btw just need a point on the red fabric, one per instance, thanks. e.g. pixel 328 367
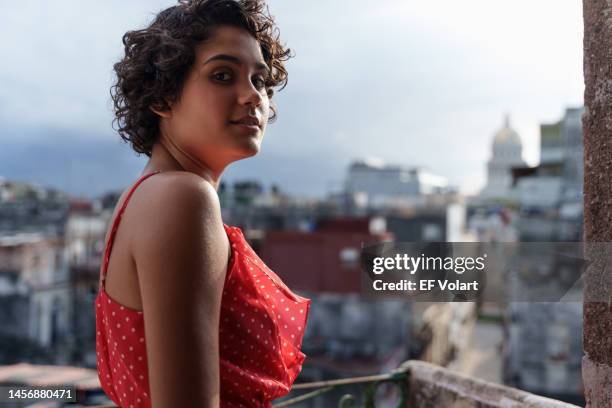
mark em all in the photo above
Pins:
pixel 260 333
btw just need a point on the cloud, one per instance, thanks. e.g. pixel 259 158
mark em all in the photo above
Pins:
pixel 422 83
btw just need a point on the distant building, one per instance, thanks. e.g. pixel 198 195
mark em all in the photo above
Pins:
pixel 84 242
pixel 551 143
pixel 84 237
pixel 556 183
pixel 540 187
pixel 329 257
pixel 507 152
pixel 543 345
pixel 573 169
pixel 245 192
pixel 50 251
pixel 27 207
pixel 543 349
pixel 444 223
pixel 35 293
pixel 375 184
pixel 493 225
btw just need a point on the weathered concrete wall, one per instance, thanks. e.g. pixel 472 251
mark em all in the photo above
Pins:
pixel 431 386
pixel 597 126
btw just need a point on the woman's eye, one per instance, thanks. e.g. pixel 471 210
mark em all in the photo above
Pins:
pixel 259 82
pixel 222 76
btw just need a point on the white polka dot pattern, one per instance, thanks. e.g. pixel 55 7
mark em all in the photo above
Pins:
pixel 261 328
pixel 122 358
pixel 262 361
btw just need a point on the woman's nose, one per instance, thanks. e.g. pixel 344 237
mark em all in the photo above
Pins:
pixel 250 95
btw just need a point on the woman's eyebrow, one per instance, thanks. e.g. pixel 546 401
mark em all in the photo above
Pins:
pixel 260 66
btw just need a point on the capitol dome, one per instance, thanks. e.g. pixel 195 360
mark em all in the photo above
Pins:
pixel 506 135
pixel 507 153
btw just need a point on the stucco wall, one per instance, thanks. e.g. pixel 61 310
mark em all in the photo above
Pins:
pixel 597 127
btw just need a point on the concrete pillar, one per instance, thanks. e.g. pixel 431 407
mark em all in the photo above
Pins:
pixel 597 126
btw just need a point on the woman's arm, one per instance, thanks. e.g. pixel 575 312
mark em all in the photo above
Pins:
pixel 181 256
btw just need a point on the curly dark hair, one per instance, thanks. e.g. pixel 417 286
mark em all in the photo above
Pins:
pixel 158 58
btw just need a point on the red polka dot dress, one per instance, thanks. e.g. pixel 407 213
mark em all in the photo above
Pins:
pixel 260 333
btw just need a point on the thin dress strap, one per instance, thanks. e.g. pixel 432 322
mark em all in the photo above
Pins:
pixel 111 238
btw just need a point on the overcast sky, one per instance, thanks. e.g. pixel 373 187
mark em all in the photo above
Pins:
pixel 411 82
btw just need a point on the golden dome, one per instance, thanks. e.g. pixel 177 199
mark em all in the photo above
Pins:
pixel 506 135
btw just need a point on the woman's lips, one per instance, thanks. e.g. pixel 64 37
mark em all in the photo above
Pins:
pixel 247 120
pixel 247 127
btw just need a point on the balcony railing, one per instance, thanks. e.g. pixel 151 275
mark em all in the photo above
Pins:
pixel 370 385
pixel 422 384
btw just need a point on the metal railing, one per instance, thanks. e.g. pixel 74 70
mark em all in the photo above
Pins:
pixel 370 385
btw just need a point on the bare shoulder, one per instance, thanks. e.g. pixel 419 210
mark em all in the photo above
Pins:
pixel 172 204
pixel 179 230
pixel 181 252
pixel 179 188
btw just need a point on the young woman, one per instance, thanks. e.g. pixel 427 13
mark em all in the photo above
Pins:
pixel 187 315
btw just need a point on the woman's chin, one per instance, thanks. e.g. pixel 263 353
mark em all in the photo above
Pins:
pixel 249 148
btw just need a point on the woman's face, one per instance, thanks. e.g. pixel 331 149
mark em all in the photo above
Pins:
pixel 222 112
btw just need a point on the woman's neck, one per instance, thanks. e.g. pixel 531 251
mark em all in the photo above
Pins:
pixel 166 156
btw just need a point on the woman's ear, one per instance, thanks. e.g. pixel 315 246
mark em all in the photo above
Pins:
pixel 162 113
